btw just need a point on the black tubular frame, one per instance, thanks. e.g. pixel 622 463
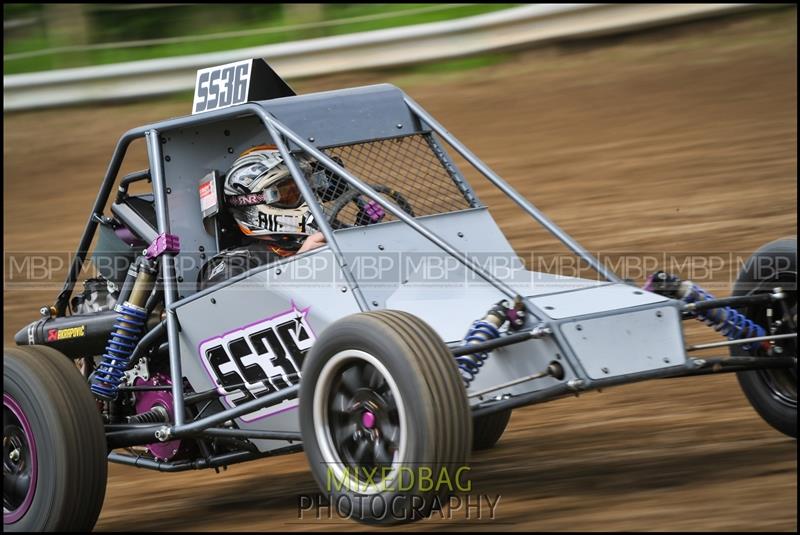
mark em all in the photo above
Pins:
pixel 211 461
pixel 124 435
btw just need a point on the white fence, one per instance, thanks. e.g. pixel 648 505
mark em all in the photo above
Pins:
pixel 501 30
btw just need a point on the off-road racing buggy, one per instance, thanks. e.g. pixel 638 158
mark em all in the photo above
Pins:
pixel 368 369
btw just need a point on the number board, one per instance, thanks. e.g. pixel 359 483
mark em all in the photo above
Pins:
pixel 258 359
pixel 236 83
pixel 222 86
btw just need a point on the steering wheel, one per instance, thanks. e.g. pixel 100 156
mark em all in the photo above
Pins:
pixel 368 211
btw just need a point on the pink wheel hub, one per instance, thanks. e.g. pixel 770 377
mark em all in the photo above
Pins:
pixel 368 419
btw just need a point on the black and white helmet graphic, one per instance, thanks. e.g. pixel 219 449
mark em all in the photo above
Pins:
pixel 263 197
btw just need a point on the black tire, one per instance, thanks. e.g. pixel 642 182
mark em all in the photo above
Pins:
pixel 422 421
pixel 487 429
pixel 772 393
pixel 69 469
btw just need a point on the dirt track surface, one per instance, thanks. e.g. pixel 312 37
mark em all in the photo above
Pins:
pixel 679 141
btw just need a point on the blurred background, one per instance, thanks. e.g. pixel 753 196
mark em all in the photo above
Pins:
pixel 640 129
pixel 52 36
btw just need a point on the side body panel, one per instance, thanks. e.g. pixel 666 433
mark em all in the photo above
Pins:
pixel 248 337
pixel 627 330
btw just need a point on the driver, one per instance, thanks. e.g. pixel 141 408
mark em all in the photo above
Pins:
pixel 268 208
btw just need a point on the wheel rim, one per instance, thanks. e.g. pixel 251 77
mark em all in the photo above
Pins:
pixel 359 422
pixel 19 462
pixel 782 383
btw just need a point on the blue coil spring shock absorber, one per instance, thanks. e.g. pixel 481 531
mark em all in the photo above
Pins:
pixel 469 365
pixel 486 329
pixel 727 321
pixel 115 362
pixel 730 323
pixel 124 336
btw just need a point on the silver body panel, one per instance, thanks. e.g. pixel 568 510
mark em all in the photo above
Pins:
pixel 601 299
pixel 392 263
pixel 240 305
pixel 626 343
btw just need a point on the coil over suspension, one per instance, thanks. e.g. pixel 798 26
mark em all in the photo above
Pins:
pixel 730 323
pixel 485 329
pixel 125 334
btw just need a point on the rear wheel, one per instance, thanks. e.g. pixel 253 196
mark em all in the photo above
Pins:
pixel 385 416
pixel 772 393
pixel 54 448
pixel 487 429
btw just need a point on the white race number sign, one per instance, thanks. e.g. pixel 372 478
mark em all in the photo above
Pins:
pixel 222 86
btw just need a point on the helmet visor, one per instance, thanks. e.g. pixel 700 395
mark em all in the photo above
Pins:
pixel 282 194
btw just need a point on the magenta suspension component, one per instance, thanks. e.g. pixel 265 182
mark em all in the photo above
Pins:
pixel 730 323
pixel 164 243
pixel 154 402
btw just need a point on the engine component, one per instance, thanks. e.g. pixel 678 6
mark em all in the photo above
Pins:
pixel 98 295
pixel 486 329
pixel 76 336
pixel 115 250
pixel 730 323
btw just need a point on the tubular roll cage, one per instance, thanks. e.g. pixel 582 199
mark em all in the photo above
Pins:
pixel 135 434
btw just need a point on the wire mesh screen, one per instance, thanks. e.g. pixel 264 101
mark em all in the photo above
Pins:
pixel 410 171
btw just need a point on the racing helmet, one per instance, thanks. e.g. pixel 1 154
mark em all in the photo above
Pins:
pixel 263 197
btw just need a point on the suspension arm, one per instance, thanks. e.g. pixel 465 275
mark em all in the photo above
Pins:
pixel 213 461
pixel 539 331
pixel 735 301
pixel 768 338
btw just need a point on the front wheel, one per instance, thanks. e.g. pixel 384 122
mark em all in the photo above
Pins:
pixel 384 417
pixel 772 393
pixel 54 448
